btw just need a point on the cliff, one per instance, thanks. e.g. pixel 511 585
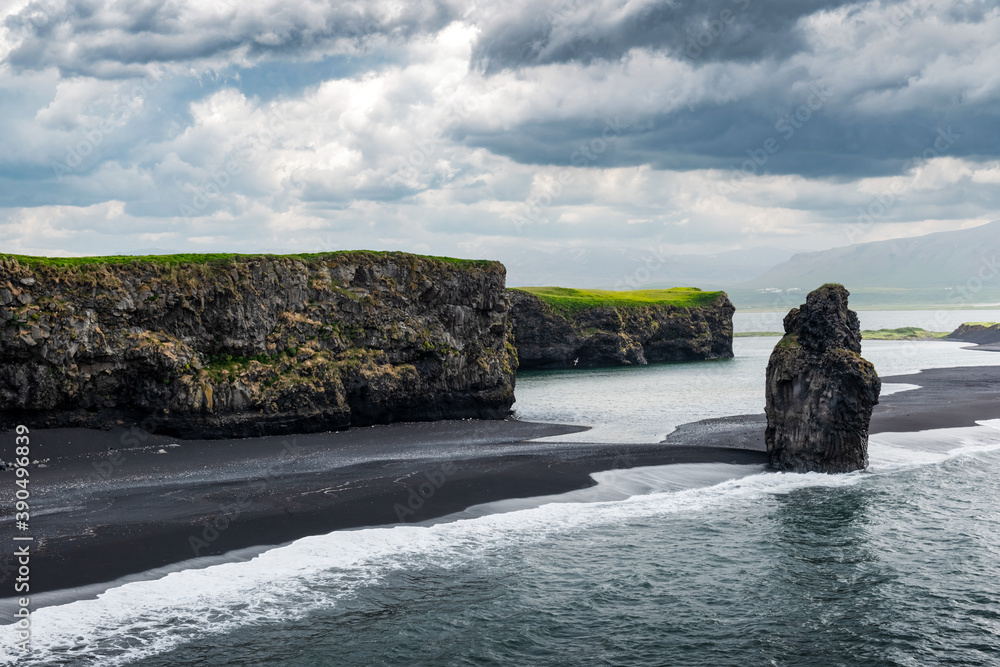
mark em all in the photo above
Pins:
pixel 227 346
pixel 981 333
pixel 820 392
pixel 564 328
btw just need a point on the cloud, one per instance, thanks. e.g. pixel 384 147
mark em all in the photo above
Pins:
pixel 531 33
pixel 122 38
pixel 515 128
pixel 890 76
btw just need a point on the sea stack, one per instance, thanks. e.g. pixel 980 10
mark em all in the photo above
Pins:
pixel 820 391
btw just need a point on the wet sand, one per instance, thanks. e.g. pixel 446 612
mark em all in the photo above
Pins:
pixel 947 398
pixel 99 514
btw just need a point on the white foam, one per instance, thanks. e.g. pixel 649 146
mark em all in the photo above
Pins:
pixel 890 452
pixel 890 388
pixel 620 484
pixel 144 618
pixel 149 617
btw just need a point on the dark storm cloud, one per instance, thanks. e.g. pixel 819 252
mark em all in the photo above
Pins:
pixel 428 124
pixel 726 137
pixel 562 31
pixel 838 139
pixel 98 38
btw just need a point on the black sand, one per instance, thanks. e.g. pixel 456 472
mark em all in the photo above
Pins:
pixel 98 514
pixel 947 398
pixel 108 504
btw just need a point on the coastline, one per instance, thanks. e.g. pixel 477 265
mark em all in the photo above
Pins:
pixel 105 510
pixel 947 398
pixel 103 514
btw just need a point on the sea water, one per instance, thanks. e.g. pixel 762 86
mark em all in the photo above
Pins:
pixel 645 403
pixel 705 564
pixel 931 320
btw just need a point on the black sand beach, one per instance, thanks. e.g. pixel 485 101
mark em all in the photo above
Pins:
pixel 100 514
pixel 947 398
pixel 108 504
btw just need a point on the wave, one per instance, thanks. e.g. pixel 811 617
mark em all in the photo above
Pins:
pixel 135 620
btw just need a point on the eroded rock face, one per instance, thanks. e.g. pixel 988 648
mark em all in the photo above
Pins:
pixel 254 345
pixel 820 391
pixel 981 334
pixel 618 336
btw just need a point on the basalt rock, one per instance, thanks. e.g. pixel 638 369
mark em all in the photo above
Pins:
pixel 981 333
pixel 253 345
pixel 820 391
pixel 619 335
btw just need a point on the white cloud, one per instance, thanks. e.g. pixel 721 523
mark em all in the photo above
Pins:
pixel 419 150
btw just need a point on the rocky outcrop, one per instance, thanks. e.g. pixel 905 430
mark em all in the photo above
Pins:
pixel 236 346
pixel 820 391
pixel 619 335
pixel 981 333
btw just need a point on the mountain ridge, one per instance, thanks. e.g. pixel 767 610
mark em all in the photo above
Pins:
pixel 957 259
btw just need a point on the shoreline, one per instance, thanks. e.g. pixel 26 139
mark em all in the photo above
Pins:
pixel 102 515
pixel 883 307
pixel 946 398
pixel 103 511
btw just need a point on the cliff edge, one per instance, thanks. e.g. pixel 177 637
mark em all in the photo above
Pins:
pixel 218 346
pixel 980 333
pixel 820 391
pixel 556 327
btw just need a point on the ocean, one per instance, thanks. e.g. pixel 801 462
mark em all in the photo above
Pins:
pixel 707 564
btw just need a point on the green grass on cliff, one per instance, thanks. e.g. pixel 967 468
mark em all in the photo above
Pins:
pixel 903 333
pixel 568 300
pixel 223 258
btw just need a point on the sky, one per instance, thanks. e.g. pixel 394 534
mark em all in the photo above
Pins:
pixel 519 130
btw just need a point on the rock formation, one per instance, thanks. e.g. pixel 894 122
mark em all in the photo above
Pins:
pixel 820 391
pixel 619 335
pixel 230 346
pixel 981 333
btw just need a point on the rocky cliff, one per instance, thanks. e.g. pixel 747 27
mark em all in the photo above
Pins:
pixel 564 328
pixel 230 346
pixel 820 391
pixel 981 333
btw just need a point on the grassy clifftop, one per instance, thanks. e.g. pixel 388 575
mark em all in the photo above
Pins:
pixel 568 300
pixel 235 345
pixel 902 333
pixel 981 333
pixel 221 258
pixel 558 327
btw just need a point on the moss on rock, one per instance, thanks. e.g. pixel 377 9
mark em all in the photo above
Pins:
pixel 233 345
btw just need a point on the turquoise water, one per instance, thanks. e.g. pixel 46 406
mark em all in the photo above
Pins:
pixel 897 567
pixel 932 320
pixel 675 565
pixel 645 403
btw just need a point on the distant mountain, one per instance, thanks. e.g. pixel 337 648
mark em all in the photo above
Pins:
pixel 939 260
pixel 945 269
